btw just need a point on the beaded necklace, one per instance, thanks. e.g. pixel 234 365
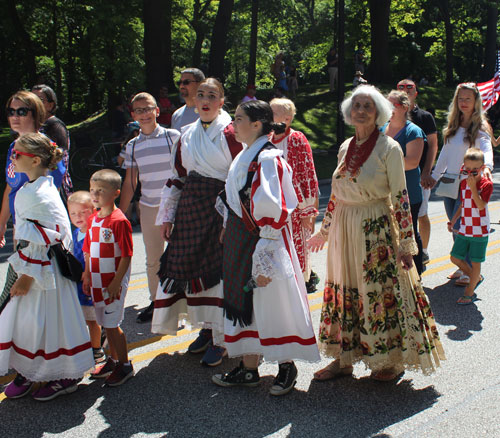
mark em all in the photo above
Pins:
pixel 357 154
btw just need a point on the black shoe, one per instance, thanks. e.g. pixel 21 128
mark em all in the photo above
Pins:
pixel 285 380
pixel 147 314
pixel 240 376
pixel 312 283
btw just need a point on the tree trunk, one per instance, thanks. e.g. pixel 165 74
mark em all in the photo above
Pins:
pixel 380 70
pixel 219 37
pixel 70 69
pixel 490 57
pixel 444 9
pixel 340 77
pixel 200 30
pixel 158 45
pixel 56 57
pixel 253 42
pixel 24 40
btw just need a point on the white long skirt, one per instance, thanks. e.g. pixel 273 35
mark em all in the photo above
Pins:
pixel 281 328
pixel 201 310
pixel 43 334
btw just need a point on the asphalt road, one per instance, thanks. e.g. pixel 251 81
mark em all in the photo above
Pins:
pixel 172 395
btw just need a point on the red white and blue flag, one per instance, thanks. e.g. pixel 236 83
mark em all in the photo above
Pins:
pixel 490 90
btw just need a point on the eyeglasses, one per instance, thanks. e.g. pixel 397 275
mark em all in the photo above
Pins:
pixel 15 154
pixel 186 82
pixel 397 104
pixel 405 86
pixel 21 112
pixel 146 110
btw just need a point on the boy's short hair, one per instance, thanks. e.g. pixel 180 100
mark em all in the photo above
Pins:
pixel 108 176
pixel 143 96
pixel 80 197
pixel 474 154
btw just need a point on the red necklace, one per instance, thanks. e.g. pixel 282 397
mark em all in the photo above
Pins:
pixel 357 154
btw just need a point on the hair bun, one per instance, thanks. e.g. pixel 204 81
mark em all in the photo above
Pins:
pixel 278 128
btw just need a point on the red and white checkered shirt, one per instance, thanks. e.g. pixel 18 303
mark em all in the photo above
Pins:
pixel 108 239
pixel 475 222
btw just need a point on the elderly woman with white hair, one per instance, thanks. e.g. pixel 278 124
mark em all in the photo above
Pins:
pixel 374 310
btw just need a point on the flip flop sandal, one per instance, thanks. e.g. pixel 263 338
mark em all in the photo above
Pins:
pixel 464 280
pixel 457 274
pixel 331 372
pixel 470 299
pixel 481 279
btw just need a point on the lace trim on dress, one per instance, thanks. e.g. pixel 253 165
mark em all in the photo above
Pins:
pixel 271 259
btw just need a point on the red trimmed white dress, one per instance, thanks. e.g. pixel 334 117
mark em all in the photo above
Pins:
pixel 43 334
pixel 281 328
pixel 298 154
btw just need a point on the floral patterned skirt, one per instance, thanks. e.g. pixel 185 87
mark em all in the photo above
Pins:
pixel 374 311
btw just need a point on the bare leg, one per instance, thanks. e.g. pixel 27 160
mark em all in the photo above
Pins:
pixel 95 334
pixel 117 344
pixel 251 361
pixel 424 228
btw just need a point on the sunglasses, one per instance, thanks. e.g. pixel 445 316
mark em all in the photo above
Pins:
pixel 21 112
pixel 474 172
pixel 16 154
pixel 186 82
pixel 405 86
pixel 146 110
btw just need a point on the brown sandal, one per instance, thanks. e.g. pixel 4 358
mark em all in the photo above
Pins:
pixel 384 375
pixel 332 371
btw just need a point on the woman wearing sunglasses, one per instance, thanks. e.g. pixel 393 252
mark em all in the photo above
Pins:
pixel 26 114
pixel 467 128
pixel 411 139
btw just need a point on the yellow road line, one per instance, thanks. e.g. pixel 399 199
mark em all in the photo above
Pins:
pixel 443 218
pixel 183 345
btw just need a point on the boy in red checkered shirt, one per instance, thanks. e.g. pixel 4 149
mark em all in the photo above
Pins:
pixel 472 236
pixel 108 252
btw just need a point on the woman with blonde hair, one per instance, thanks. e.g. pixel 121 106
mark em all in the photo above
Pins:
pixel 467 127
pixel 298 154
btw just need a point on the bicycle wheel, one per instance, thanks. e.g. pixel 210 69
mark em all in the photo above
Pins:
pixel 79 163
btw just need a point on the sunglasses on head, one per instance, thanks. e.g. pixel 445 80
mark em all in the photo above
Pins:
pixel 186 82
pixel 21 112
pixel 406 86
pixel 16 154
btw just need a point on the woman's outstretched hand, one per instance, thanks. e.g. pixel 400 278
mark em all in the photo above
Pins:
pixel 316 242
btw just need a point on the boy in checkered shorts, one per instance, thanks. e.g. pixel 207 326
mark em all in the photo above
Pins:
pixel 472 236
pixel 108 252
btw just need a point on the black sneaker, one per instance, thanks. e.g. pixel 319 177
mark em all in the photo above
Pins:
pixel 312 283
pixel 147 314
pixel 240 376
pixel 285 380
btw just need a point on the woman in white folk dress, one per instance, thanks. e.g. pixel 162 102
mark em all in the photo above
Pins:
pixel 265 300
pixel 191 266
pixel 43 335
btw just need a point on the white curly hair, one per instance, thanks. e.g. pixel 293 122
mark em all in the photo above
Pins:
pixel 383 106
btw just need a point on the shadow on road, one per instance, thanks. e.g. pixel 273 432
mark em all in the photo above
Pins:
pixel 465 319
pixel 174 397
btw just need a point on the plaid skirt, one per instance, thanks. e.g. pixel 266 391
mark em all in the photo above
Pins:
pixel 192 261
pixel 239 245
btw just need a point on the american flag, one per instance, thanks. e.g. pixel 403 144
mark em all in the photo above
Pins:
pixel 490 90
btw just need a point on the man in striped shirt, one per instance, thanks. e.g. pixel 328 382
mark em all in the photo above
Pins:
pixel 147 160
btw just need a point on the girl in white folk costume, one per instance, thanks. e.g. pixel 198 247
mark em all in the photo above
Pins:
pixel 266 307
pixel 43 335
pixel 191 267
pixel 298 154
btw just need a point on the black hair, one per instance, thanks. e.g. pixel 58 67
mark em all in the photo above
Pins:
pixel 49 94
pixel 258 110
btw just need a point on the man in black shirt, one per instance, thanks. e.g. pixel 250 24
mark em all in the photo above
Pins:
pixel 425 121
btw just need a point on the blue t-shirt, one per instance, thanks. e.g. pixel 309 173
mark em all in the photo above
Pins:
pixel 409 133
pixel 16 180
pixel 78 238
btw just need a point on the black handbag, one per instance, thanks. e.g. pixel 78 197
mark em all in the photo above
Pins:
pixel 69 265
